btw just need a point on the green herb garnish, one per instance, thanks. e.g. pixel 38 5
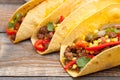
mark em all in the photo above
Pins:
pixel 82 61
pixel 50 26
pixel 10 25
pixel 113 30
pixel 17 17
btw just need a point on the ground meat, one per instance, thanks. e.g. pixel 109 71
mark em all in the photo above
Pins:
pixel 45 34
pixel 17 25
pixel 66 61
pixel 68 55
pixel 50 35
pixel 40 36
pixel 68 49
pixel 73 49
pixel 77 69
pixel 112 34
pixel 117 26
pixel 75 55
pixel 78 51
pixel 12 37
pixel 43 30
pixel 81 54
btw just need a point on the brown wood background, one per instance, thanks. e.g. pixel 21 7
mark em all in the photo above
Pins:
pixel 22 60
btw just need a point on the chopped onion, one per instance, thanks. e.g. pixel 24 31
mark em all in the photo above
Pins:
pixel 101 33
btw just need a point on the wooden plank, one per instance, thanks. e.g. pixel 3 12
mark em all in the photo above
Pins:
pixel 22 60
pixel 12 1
pixel 59 78
pixel 6 10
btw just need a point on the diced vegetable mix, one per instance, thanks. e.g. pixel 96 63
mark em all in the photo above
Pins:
pixel 84 50
pixel 14 25
pixel 16 20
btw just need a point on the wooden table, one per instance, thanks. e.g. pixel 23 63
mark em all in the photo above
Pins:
pixel 22 60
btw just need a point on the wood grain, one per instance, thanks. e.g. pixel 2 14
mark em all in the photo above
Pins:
pixel 12 1
pixel 6 10
pixel 22 60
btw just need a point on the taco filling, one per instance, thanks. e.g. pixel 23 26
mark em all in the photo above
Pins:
pixel 45 35
pixel 81 52
pixel 14 25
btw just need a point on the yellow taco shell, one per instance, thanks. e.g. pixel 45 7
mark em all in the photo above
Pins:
pixel 85 10
pixel 108 58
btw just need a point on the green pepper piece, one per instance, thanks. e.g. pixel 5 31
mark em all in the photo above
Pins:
pixel 50 26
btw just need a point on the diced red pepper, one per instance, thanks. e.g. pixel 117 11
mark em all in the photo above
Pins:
pixel 39 45
pixel 69 64
pixel 90 56
pixel 118 37
pixel 61 19
pixel 82 44
pixel 102 46
pixel 10 31
pixel 46 41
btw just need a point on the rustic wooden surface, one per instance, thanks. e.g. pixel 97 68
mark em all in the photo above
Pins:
pixel 22 60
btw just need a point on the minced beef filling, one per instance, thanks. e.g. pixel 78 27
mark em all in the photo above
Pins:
pixel 71 52
pixel 45 34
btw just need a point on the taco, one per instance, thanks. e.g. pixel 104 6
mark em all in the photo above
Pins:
pixel 94 45
pixel 27 17
pixel 49 36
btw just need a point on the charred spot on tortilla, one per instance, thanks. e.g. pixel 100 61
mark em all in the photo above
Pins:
pixel 82 51
pixel 97 62
pixel 109 55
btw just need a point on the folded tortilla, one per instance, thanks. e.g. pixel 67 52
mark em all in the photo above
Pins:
pixel 108 58
pixel 85 9
pixel 34 11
